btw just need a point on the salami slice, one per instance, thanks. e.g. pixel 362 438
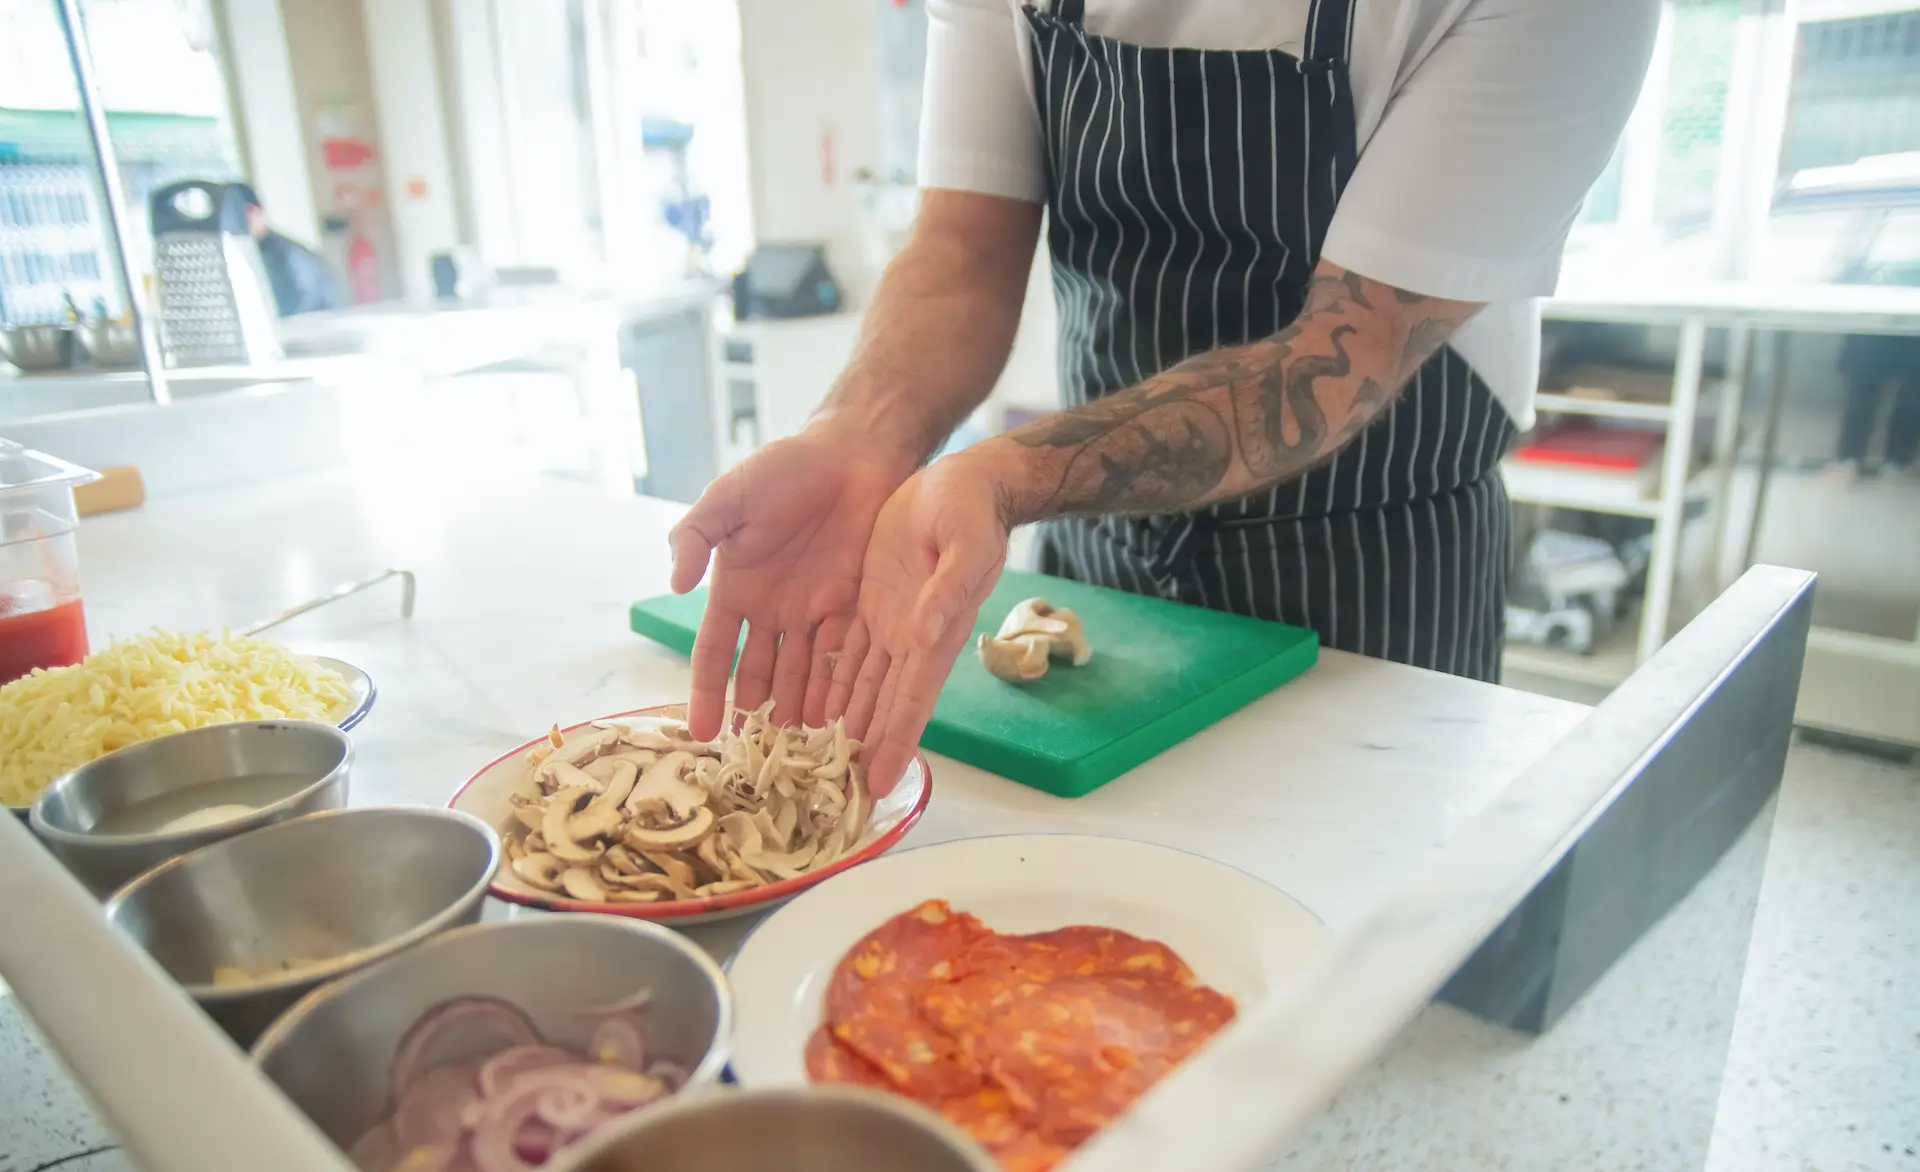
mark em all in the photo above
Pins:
pixel 828 1060
pixel 1029 1043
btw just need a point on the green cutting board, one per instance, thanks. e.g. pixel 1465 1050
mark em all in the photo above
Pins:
pixel 1160 672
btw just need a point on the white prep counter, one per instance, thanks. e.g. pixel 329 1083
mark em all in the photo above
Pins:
pixel 1341 788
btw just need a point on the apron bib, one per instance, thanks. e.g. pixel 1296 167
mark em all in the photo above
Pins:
pixel 1188 193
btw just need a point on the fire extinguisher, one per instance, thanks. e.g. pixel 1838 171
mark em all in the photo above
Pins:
pixel 363 271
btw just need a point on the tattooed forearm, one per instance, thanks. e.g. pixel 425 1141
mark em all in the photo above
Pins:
pixel 1234 421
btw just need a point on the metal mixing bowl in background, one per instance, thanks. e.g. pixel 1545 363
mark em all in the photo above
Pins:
pixel 66 812
pixel 792 1129
pixel 110 343
pixel 333 1052
pixel 44 347
pixel 345 888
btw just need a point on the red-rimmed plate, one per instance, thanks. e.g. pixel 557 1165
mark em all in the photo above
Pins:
pixel 488 795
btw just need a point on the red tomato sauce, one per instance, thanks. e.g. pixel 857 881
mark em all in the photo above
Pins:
pixel 53 637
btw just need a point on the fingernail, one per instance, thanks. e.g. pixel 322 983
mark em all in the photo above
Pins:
pixel 936 625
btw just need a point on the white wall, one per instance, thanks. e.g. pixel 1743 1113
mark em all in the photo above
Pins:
pixel 267 109
pixel 405 62
pixel 813 68
pixel 812 74
pixel 325 45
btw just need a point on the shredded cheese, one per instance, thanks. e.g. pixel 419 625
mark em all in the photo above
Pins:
pixel 52 721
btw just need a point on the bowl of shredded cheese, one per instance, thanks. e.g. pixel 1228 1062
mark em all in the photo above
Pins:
pixel 55 720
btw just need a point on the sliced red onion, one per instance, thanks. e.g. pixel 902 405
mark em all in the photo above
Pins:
pixel 476 1089
pixel 535 1142
pixel 632 1003
pixel 592 1123
pixel 500 1069
pixel 456 1028
pixel 568 1107
pixel 618 1040
pixel 435 1109
pixel 493 1146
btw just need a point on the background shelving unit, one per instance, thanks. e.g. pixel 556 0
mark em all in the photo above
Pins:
pixel 1680 482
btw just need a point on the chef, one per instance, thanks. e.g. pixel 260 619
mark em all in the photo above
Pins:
pixel 1295 248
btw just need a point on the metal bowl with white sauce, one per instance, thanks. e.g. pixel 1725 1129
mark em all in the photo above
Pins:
pixel 251 924
pixel 121 814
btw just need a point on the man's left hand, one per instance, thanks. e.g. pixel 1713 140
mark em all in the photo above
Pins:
pixel 937 549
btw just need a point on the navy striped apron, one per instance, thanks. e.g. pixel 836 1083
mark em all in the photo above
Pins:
pixel 1188 192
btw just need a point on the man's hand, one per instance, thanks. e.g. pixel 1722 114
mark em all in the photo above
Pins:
pixel 937 550
pixel 786 531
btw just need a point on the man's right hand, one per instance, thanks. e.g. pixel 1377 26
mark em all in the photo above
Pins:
pixel 786 531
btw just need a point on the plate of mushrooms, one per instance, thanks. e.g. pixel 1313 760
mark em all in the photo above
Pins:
pixel 629 815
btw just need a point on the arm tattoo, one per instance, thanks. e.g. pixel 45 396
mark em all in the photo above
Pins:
pixel 1235 421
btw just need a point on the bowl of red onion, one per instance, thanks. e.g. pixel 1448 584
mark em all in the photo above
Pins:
pixel 491 1048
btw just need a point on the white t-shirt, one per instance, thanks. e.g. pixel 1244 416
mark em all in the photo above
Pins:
pixel 1482 123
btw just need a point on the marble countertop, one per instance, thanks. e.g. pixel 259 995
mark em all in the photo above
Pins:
pixel 1327 788
pixel 1332 788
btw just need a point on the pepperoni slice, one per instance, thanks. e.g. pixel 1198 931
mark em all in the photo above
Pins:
pixel 1029 1043
pixel 830 1061
pixel 872 1002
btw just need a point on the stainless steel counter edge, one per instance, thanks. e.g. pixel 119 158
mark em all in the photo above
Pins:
pixel 1738 663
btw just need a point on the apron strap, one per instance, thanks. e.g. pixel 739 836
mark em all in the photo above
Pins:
pixel 1069 11
pixel 1329 38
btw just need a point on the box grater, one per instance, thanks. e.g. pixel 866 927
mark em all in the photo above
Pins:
pixel 216 305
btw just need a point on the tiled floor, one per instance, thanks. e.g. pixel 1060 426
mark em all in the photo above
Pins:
pixel 1824 1069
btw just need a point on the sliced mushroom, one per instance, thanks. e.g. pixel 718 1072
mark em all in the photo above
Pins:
pixel 644 813
pixel 648 838
pixel 540 869
pixel 624 895
pixel 641 758
pixel 528 810
pixel 659 883
pixel 576 751
pixel 561 775
pixel 602 817
pixel 624 860
pixel 581 883
pixel 661 787
pixel 559 834
pixel 672 866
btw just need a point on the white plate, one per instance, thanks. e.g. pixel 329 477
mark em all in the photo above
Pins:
pixel 488 796
pixel 1239 935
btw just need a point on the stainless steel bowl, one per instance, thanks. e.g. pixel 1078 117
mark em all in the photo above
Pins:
pixel 66 812
pixel 111 343
pixel 43 347
pixel 793 1129
pixel 331 1053
pixel 345 888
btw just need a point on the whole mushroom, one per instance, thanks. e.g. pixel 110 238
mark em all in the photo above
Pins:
pixel 1034 634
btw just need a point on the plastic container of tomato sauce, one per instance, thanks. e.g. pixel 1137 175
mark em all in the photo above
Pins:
pixel 42 621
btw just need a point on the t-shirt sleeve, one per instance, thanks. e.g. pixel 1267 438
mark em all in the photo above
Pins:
pixel 1485 151
pixel 979 130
